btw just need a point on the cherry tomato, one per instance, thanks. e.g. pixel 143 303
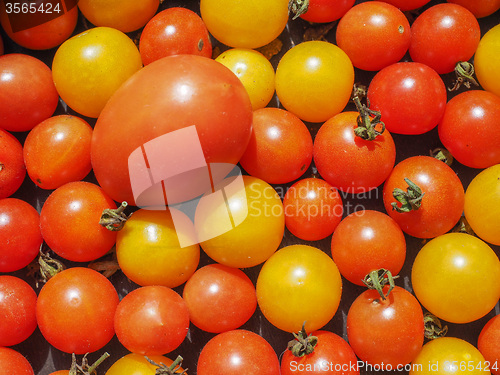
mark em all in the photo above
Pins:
pixel 349 162
pixel 480 9
pixel 322 11
pixel 407 4
pixel 313 209
pixel 20 237
pixel 444 35
pixel 149 252
pixel 487 343
pixel 280 149
pixel 303 281
pixel 236 352
pixel 135 364
pixel 75 310
pixel 245 228
pixel 437 210
pixel 388 332
pixel 219 298
pixel 487 61
pixel 366 241
pixel 69 222
pixel 13 362
pixel 151 320
pixel 365 31
pixel 255 72
pixel 245 24
pixel 89 67
pixel 27 93
pixel 482 204
pixel 12 169
pixel 314 80
pixel 174 31
pixel 57 151
pixel 411 97
pixel 455 277
pixel 17 308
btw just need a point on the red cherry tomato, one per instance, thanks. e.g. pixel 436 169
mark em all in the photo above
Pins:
pixel 20 237
pixel 323 11
pixel 487 343
pixel 407 4
pixel 13 362
pixel 479 9
pixel 12 169
pixel 174 31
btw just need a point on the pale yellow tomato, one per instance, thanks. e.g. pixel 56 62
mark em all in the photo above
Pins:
pixel 136 364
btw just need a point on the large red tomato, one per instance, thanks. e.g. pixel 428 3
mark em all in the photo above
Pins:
pixel 172 93
pixel 13 362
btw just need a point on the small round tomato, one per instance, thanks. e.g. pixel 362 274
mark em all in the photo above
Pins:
pixel 444 35
pixel 366 241
pixel 136 364
pixel 20 237
pixel 487 343
pixel 313 209
pixel 75 310
pixel 27 92
pixel 366 30
pixel 12 169
pixel 479 9
pixel 13 362
pixel 17 308
pixel 293 275
pixel 455 276
pixel 347 161
pixel 69 222
pixel 174 31
pixel 254 71
pixel 320 11
pixel 487 61
pixel 405 5
pixel 245 24
pixel 149 249
pixel 280 149
pixel 57 151
pixel 89 67
pixel 237 352
pixel 219 298
pixel 482 205
pixel 314 80
pixel 433 196
pixel 151 320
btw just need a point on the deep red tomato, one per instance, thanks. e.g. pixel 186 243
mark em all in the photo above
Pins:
pixel 151 320
pixel 389 332
pixel 57 151
pixel 479 8
pixel 407 4
pixel 13 362
pixel 238 352
pixel 174 31
pixel 468 128
pixel 442 202
pixel 20 237
pixel 75 310
pixel 27 92
pixel 12 169
pixel 17 309
pixel 348 162
pixel 411 97
pixel 69 222
pixel 280 148
pixel 322 10
pixel 366 30
pixel 487 343
pixel 444 35
pixel 313 209
pixel 366 241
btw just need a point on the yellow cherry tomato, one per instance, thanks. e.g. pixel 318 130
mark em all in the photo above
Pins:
pixel 89 67
pixel 487 61
pixel 254 71
pixel 136 364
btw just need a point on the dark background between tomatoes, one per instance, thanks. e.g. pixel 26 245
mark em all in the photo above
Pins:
pixel 46 359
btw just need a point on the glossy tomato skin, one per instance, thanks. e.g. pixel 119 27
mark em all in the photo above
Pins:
pixel 444 35
pixel 27 92
pixel 480 9
pixel 280 148
pixel 411 97
pixel 487 343
pixel 13 362
pixel 332 355
pixel 442 203
pixel 463 286
pixel 366 241
pixel 75 310
pixel 12 169
pixel 136 364
pixel 374 326
pixel 219 298
pixel 174 31
pixel 256 356
pixel 323 11
pixel 365 31
pixel 151 320
pixel 487 61
pixel 348 162
pixel 404 5
pixel 20 237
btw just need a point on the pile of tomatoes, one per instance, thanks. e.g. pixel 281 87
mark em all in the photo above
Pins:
pixel 343 158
